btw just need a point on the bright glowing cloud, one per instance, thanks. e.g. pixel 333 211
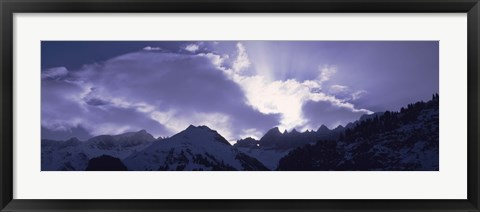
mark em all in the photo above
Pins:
pixel 242 61
pixel 158 91
pixel 216 59
pixel 192 47
pixel 289 96
pixel 241 89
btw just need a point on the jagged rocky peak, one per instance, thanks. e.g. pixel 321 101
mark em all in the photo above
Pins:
pixel 349 125
pixel 274 131
pixel 271 137
pixel 248 139
pixel 247 142
pixel 294 131
pixel 339 129
pixel 323 129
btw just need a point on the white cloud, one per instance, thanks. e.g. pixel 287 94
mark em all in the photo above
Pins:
pixel 242 61
pixel 120 83
pixel 117 96
pixel 149 48
pixel 285 97
pixel 54 72
pixel 335 89
pixel 326 72
pixel 358 94
pixel 192 47
pixel 216 59
pixel 252 132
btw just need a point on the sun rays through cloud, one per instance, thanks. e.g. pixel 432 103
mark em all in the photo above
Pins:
pixel 239 88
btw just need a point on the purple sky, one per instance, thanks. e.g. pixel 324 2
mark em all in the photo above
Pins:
pixel 239 88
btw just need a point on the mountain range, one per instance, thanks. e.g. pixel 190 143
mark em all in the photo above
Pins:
pixel 403 140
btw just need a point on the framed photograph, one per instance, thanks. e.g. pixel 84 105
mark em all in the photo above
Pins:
pixel 268 105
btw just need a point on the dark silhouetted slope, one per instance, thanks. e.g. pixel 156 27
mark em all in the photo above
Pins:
pixel 404 140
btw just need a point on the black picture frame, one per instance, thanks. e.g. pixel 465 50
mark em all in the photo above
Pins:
pixel 9 7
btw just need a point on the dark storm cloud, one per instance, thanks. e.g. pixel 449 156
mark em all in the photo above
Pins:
pixel 96 102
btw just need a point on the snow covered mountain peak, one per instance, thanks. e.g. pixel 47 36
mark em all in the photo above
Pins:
pixel 195 148
pixel 200 134
pixel 141 135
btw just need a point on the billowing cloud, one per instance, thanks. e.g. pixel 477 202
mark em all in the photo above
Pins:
pixel 192 47
pixel 158 91
pixel 67 109
pixel 288 97
pixel 164 92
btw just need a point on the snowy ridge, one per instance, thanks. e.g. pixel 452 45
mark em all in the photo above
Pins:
pixel 74 155
pixel 196 148
pixel 404 140
pixel 63 155
pixel 119 146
